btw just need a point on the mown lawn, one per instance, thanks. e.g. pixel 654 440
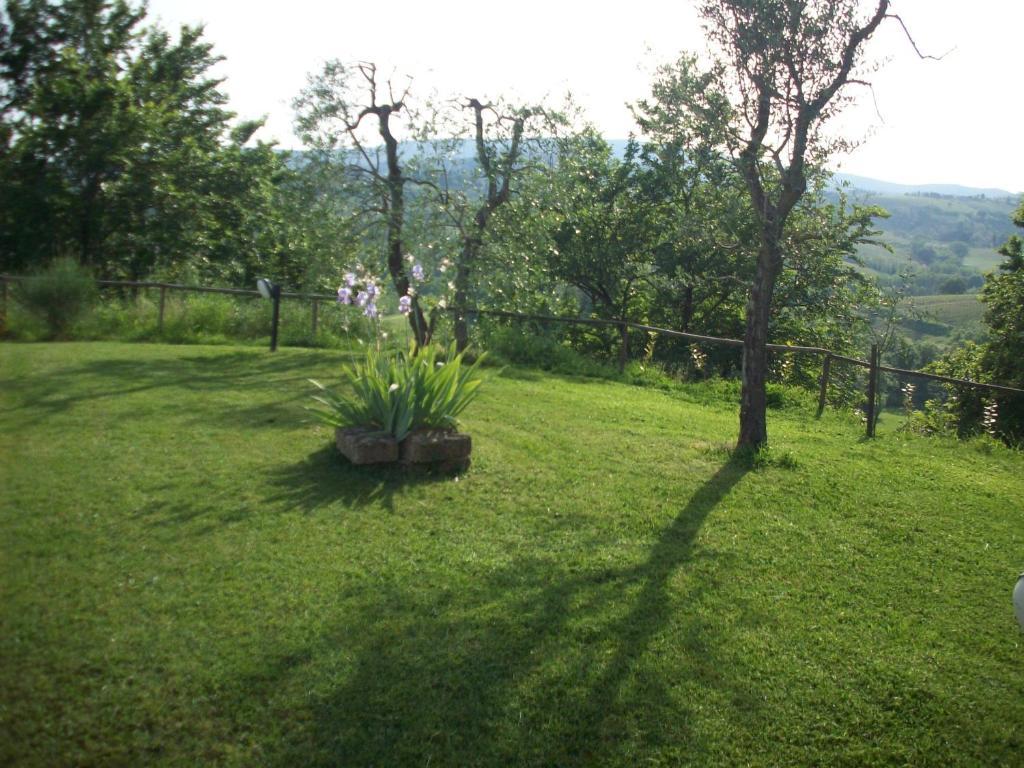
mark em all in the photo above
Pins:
pixel 189 575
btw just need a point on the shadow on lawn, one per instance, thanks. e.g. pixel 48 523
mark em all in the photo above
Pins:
pixel 325 478
pixel 535 664
pixel 239 375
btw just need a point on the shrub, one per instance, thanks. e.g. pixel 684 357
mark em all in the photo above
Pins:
pixel 543 349
pixel 649 375
pixel 398 393
pixel 59 295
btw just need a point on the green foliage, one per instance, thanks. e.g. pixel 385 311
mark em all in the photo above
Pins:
pixel 1000 359
pixel 118 149
pixel 425 387
pixel 59 295
pixel 950 239
pixel 542 348
pixel 936 418
pixel 604 245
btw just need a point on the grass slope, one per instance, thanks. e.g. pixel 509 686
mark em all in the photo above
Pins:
pixel 953 310
pixel 190 575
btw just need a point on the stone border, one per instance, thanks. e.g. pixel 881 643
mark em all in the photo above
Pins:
pixel 441 449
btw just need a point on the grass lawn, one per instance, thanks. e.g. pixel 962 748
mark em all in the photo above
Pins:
pixel 189 575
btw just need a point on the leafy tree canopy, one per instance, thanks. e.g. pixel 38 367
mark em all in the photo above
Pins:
pixel 117 149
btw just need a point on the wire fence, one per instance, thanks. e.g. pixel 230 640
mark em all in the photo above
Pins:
pixel 872 365
pixel 167 289
pixel 828 357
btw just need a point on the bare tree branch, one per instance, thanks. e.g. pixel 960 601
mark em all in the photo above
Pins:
pixel 913 43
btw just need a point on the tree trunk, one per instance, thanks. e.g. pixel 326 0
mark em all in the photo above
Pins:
pixel 470 249
pixel 87 224
pixel 687 309
pixel 421 329
pixel 623 345
pixel 753 397
pixel 417 320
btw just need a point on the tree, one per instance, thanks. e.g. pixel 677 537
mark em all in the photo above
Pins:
pixel 1003 359
pixel 70 121
pixel 702 267
pixel 343 113
pixel 782 71
pixel 998 360
pixel 605 241
pixel 117 148
pixel 500 141
pixel 953 285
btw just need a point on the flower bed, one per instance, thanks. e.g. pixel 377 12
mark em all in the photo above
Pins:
pixel 404 405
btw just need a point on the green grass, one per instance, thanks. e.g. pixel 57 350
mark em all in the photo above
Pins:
pixel 198 318
pixel 984 259
pixel 192 576
pixel 953 310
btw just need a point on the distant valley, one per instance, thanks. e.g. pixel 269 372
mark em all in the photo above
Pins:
pixel 878 186
pixel 945 234
pixel 947 241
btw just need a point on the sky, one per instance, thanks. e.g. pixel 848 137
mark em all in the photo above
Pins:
pixel 953 121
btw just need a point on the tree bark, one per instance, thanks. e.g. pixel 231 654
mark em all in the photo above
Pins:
pixel 87 224
pixel 498 192
pixel 687 309
pixel 623 345
pixel 753 396
pixel 421 329
pixel 470 249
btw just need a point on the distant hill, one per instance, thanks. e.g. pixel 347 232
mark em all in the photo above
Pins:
pixel 947 234
pixel 466 151
pixel 878 186
pixel 892 188
pixel 948 241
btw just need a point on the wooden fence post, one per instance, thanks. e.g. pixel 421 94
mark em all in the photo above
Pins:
pixel 275 294
pixel 316 311
pixel 163 302
pixel 872 389
pixel 826 372
pixel 624 348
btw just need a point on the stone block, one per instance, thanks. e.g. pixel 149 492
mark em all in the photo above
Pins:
pixel 366 445
pixel 443 449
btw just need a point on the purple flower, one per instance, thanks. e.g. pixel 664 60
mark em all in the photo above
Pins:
pixel 350 279
pixel 371 310
pixel 372 291
pixel 417 271
pixel 362 298
pixel 344 295
pixel 405 305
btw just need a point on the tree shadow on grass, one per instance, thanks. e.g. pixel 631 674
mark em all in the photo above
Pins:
pixel 533 664
pixel 190 377
pixel 321 480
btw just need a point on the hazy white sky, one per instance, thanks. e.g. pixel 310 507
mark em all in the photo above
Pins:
pixel 952 121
